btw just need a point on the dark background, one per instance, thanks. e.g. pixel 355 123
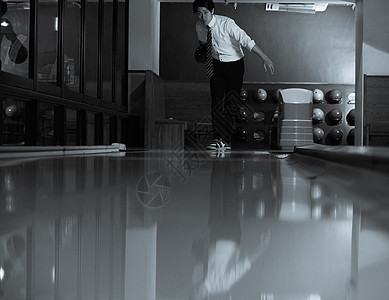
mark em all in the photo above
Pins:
pixel 304 47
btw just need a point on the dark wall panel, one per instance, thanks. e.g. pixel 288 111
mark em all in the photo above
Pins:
pixel 303 47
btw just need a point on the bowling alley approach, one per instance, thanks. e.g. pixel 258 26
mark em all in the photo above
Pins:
pixel 194 149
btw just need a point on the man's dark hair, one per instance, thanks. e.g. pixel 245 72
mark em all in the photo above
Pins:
pixel 208 4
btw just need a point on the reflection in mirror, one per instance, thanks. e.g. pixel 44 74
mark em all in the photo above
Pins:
pixel 106 130
pixel 47 41
pixel 91 47
pixel 107 50
pixel 13 122
pixel 90 128
pixel 72 37
pixel 46 125
pixel 71 131
pixel 120 54
pixel 259 116
pixel 14 39
pixel 259 135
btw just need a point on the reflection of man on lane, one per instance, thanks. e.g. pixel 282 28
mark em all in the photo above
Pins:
pixel 17 52
pixel 11 250
pixel 225 263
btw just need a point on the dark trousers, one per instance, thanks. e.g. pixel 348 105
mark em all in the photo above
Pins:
pixel 223 219
pixel 227 77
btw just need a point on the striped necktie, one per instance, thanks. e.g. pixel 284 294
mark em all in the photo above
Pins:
pixel 209 59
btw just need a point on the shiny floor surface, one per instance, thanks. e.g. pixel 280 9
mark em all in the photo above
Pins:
pixel 183 225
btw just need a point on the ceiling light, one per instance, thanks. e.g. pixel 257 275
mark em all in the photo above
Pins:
pixel 307 8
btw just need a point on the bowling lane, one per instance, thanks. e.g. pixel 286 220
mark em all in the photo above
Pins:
pixel 184 225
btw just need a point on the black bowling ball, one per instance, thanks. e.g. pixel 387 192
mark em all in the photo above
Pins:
pixel 200 55
pixel 335 136
pixel 334 116
pixel 334 96
pixel 351 117
pixel 351 137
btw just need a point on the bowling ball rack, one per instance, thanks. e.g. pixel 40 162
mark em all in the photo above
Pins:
pixel 262 134
pixel 345 105
pixel 257 126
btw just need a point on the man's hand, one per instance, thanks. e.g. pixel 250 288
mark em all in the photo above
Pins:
pixel 268 64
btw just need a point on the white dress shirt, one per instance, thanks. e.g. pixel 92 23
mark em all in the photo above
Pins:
pixel 225 267
pixel 227 38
